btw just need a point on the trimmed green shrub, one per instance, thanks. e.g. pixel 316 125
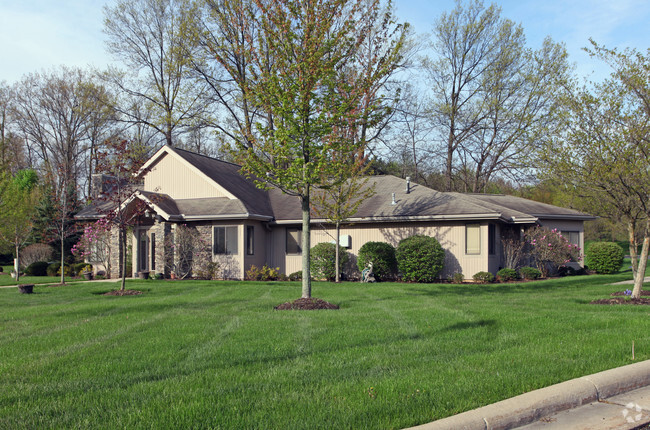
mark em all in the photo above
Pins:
pixel 419 258
pixel 323 258
pixel 37 268
pixel 2 269
pixel 604 257
pixel 483 277
pixel 296 276
pixel 529 273
pixel 506 274
pixel 382 255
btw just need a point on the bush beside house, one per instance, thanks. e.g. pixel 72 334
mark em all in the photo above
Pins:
pixel 419 258
pixel 382 256
pixel 323 260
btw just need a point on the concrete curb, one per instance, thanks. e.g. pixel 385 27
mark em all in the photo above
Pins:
pixel 528 407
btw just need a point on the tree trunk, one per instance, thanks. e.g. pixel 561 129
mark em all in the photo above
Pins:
pixel 631 227
pixel 17 263
pixel 123 245
pixel 306 268
pixel 337 259
pixel 643 262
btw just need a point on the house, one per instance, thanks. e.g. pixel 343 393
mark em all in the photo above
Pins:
pixel 246 226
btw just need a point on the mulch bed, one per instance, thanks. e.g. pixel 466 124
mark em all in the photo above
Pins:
pixel 622 293
pixel 123 293
pixel 621 299
pixel 305 305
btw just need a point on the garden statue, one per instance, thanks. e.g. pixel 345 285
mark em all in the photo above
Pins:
pixel 367 275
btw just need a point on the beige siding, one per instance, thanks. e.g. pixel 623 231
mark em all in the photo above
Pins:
pixel 174 177
pixel 451 237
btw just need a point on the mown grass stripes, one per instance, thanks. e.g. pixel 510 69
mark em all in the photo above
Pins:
pixel 216 355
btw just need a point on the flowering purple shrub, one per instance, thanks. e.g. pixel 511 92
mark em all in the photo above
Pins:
pixel 550 249
pixel 94 244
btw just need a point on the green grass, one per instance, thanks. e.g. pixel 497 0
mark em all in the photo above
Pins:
pixel 6 279
pixel 216 355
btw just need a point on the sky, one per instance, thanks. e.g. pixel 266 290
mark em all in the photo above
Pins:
pixel 37 35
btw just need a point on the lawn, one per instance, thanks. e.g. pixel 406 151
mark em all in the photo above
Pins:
pixel 6 279
pixel 200 354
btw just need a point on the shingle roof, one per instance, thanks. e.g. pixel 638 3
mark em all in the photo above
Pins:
pixel 228 175
pixel 419 203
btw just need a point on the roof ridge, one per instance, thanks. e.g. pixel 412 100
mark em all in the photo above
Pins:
pixel 204 156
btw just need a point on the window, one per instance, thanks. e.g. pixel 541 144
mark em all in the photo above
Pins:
pixel 153 251
pixel 224 240
pixel 473 239
pixel 250 240
pixel 492 232
pixel 572 236
pixel 294 241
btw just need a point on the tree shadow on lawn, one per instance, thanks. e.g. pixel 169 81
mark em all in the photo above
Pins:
pixel 470 290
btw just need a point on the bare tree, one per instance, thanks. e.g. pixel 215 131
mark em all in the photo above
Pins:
pixel 151 38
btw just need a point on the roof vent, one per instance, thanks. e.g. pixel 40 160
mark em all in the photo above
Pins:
pixel 408 184
pixel 393 202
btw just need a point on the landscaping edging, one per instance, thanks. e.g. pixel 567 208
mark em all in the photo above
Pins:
pixel 528 407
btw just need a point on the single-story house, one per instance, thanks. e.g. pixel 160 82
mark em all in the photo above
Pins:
pixel 246 226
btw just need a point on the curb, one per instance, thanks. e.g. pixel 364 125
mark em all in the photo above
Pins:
pixel 528 407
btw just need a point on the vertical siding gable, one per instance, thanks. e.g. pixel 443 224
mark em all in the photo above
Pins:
pixel 173 176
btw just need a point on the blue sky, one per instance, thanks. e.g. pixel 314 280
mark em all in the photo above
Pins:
pixel 39 34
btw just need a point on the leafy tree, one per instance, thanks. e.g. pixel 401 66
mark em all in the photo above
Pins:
pixel 18 196
pixel 312 86
pixel 604 152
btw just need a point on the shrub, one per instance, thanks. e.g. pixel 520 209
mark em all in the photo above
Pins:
pixel 208 270
pixel 506 274
pixel 264 273
pixel 419 258
pixel 550 249
pixel 2 269
pixel 323 257
pixel 54 269
pixel 604 257
pixel 483 277
pixel 382 255
pixel 456 278
pixel 35 252
pixel 570 271
pixel 296 276
pixel 529 273
pixel 37 268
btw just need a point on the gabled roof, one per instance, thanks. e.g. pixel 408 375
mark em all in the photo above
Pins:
pixel 419 203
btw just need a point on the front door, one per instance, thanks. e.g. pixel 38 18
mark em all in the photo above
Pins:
pixel 143 251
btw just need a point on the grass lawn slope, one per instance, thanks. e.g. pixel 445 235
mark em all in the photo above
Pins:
pixel 216 355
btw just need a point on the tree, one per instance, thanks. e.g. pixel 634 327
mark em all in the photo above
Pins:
pixel 490 96
pixel 151 38
pixel 18 195
pixel 605 151
pixel 308 89
pixel 120 205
